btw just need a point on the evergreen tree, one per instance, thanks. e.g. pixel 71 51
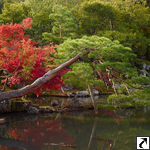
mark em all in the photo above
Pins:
pixel 107 63
pixel 40 10
pixel 14 12
pixel 92 16
pixel 63 25
pixel 137 41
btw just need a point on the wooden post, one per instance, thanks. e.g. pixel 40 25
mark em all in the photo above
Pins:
pixel 94 105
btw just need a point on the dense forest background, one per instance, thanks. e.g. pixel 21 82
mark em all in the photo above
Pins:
pixel 38 35
pixel 57 20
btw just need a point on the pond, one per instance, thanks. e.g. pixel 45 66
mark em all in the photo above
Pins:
pixel 81 130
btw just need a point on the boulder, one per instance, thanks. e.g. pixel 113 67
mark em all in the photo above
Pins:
pixel 148 67
pixel 54 103
pixel 33 111
pixel 142 72
pixel 95 92
pixel 82 93
pixel 67 87
pixel 5 106
pixel 143 65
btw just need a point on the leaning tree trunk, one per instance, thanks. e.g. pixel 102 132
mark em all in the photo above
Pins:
pixel 40 81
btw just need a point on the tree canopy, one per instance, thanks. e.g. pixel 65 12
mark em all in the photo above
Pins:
pixel 108 62
pixel 114 33
pixel 63 25
pixel 115 17
pixel 22 61
pixel 14 12
pixel 113 53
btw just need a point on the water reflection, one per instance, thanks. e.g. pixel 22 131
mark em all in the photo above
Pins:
pixel 44 101
pixel 81 130
pixel 28 134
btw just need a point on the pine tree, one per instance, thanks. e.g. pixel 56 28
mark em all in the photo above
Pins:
pixel 107 63
pixel 63 25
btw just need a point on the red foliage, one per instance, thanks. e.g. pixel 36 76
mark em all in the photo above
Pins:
pixel 24 61
pixel 48 132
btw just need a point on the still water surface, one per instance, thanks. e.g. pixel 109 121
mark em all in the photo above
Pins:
pixel 80 130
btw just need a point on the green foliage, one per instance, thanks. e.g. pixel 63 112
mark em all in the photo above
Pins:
pixel 122 68
pixel 1 6
pixel 93 16
pixel 2 2
pixel 137 41
pixel 126 21
pixel 139 93
pixel 39 12
pixel 1 22
pixel 114 54
pixel 14 12
pixel 69 3
pixel 71 48
pixel 136 12
pixel 118 61
pixel 138 80
pixel 63 25
pixel 138 98
pixel 70 77
pixel 83 72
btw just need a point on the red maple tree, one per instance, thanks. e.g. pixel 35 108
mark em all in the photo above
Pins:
pixel 23 60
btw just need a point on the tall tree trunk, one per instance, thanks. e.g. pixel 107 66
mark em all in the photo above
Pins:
pixel 40 81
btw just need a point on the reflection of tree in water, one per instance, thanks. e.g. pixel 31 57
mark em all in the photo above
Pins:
pixel 117 114
pixel 124 113
pixel 111 114
pixel 107 142
pixel 41 134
